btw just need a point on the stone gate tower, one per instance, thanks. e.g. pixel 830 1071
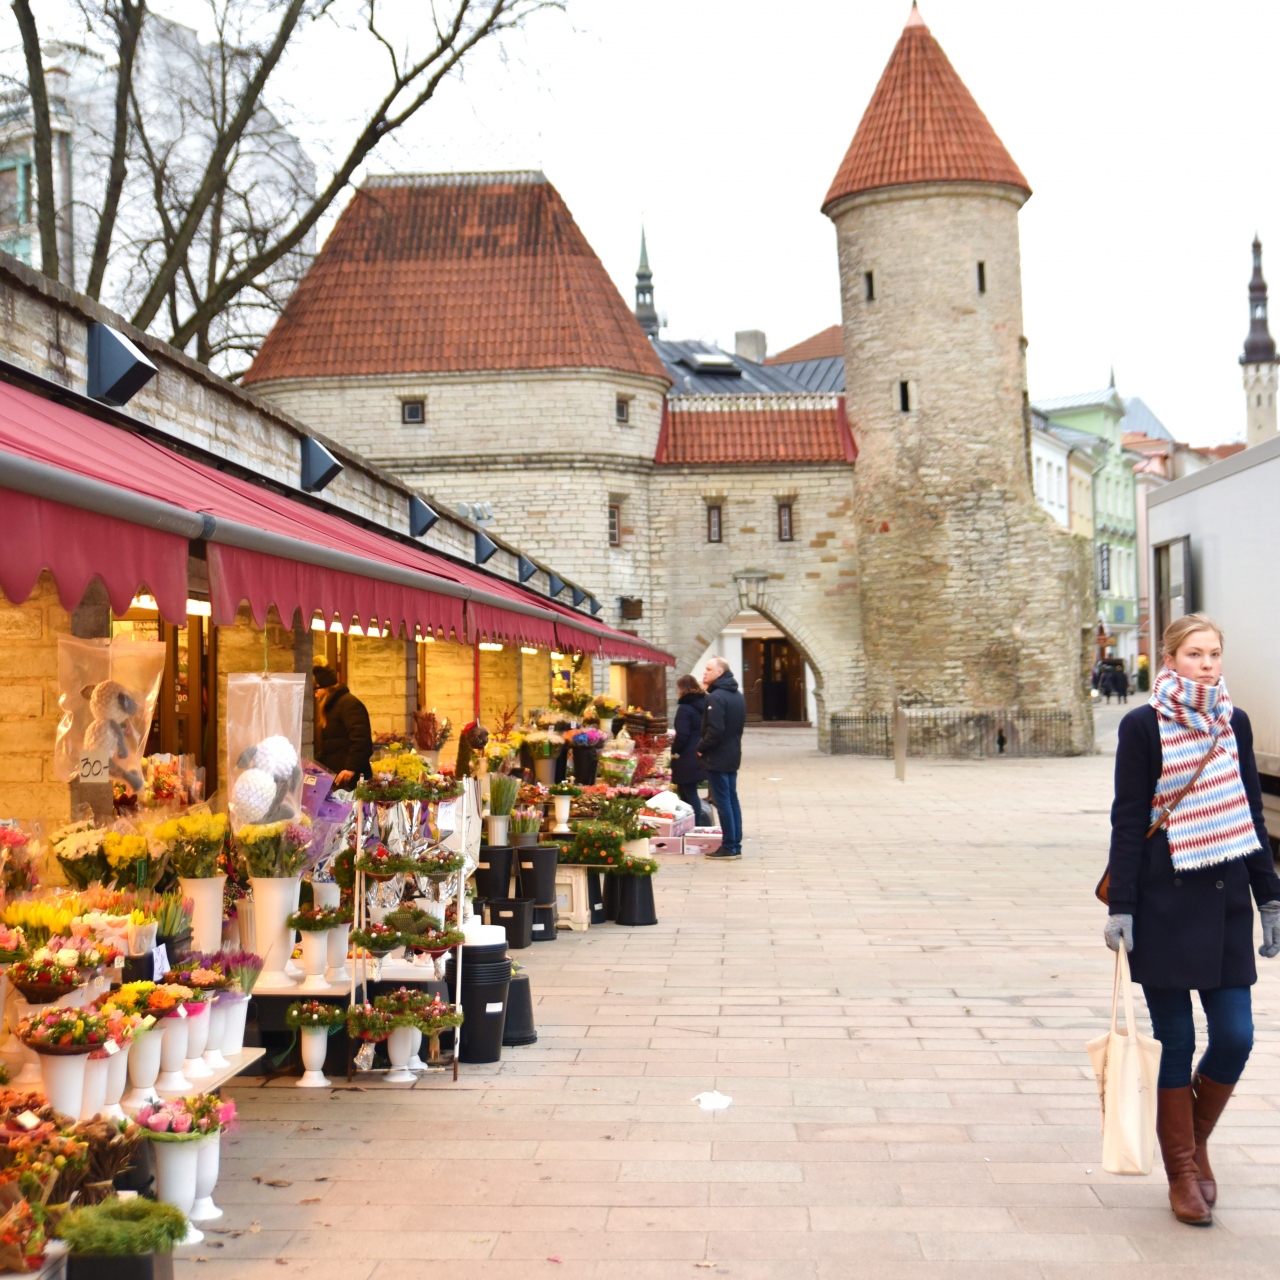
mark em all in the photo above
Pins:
pixel 972 598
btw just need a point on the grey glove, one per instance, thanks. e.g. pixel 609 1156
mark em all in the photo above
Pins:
pixel 1120 928
pixel 1270 913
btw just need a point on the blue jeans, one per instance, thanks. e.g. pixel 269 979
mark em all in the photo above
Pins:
pixel 724 795
pixel 1230 1016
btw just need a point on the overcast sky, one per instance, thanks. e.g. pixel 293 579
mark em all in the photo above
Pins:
pixel 1145 129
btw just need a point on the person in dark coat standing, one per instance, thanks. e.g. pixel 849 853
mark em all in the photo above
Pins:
pixel 345 740
pixel 686 768
pixel 720 750
pixel 1179 894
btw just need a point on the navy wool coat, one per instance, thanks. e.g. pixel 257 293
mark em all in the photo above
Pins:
pixel 1192 930
pixel 686 768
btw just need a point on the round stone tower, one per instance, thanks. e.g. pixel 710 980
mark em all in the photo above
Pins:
pixel 973 599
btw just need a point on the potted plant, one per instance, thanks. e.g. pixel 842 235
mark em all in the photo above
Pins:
pixel 194 843
pixel 624 812
pixel 63 1038
pixel 314 923
pixel 544 745
pixel 378 939
pixel 314 1021
pixel 121 1239
pixel 274 856
pixel 524 827
pixel 503 792
pixel 563 794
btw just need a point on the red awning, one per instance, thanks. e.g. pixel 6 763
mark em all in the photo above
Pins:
pixel 127 555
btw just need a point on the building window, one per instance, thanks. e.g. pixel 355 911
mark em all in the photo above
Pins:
pixel 622 410
pixel 870 280
pixel 413 413
pixel 786 524
pixel 1104 567
pixel 615 525
pixel 982 277
pixel 713 523
pixel 1039 477
pixel 904 397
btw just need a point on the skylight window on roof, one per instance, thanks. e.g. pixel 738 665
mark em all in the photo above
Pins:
pixel 711 362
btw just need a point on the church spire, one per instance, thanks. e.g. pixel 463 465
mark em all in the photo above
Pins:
pixel 645 312
pixel 1259 346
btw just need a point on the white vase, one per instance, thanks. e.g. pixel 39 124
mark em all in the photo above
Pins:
pixel 339 941
pixel 399 1050
pixel 328 896
pixel 194 1066
pixel 544 769
pixel 237 1011
pixel 206 919
pixel 176 1170
pixel 117 1078
pixel 173 1052
pixel 415 1061
pixel 93 1098
pixel 498 829
pixel 144 1067
pixel 562 804
pixel 217 1032
pixel 275 899
pixel 244 924
pixel 63 1080
pixel 315 956
pixel 207 1162
pixel 315 1045
pixel 29 1076
pixel 636 848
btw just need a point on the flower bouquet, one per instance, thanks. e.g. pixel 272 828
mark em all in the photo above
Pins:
pixel 130 999
pixel 186 1119
pixel 389 788
pixel 430 731
pixel 129 860
pixel 41 918
pixel 13 944
pixel 421 931
pixel 403 1006
pixel 503 793
pixel 542 744
pixel 586 737
pixel 364 1022
pixel 243 967
pixel 17 860
pixel 194 842
pixel 566 789
pixel 45 975
pixel 92 953
pixel 377 939
pixel 63 1031
pixel 164 999
pixel 275 851
pixel 319 919
pixel 606 708
pixel 23 1239
pixel 534 793
pixel 525 822
pixel 78 849
pixel 307 1014
pixel 203 981
pixel 572 701
pixel 439 787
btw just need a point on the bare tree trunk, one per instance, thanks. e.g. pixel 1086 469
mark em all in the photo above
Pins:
pixel 128 25
pixel 46 208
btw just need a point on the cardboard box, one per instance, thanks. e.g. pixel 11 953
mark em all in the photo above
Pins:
pixel 703 840
pixel 666 844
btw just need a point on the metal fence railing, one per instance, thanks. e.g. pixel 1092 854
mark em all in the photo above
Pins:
pixel 942 732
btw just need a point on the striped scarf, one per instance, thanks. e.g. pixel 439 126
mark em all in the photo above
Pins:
pixel 1212 823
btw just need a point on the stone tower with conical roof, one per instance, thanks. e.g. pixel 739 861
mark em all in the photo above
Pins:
pixel 646 313
pixel 1259 360
pixel 972 599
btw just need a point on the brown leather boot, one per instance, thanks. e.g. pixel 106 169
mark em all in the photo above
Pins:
pixel 1175 1127
pixel 1210 1100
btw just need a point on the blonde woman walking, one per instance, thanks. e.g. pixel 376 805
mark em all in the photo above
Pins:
pixel 1188 844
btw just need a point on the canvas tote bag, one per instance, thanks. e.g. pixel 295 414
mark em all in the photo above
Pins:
pixel 1127 1065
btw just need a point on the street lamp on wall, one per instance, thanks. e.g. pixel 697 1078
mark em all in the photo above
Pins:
pixel 752 585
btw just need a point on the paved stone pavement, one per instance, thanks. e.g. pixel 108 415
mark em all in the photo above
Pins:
pixel 894 985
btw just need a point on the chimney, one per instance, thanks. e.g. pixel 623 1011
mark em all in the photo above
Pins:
pixel 750 344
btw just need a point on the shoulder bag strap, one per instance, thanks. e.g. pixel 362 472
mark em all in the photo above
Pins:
pixel 1164 813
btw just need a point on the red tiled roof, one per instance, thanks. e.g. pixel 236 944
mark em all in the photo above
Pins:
pixel 454 273
pixel 822 346
pixel 922 125
pixel 743 429
pixel 1221 451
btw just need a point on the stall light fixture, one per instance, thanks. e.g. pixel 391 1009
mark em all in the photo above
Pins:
pixel 319 466
pixel 578 596
pixel 490 648
pixel 195 608
pixel 595 606
pixel 421 516
pixel 425 639
pixel 557 657
pixel 117 369
pixel 555 585
pixel 524 648
pixel 526 568
pixel 374 632
pixel 486 548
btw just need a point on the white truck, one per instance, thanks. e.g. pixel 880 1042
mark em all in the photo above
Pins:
pixel 1215 546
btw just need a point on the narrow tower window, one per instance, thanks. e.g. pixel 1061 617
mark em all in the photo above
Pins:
pixel 904 397
pixel 982 277
pixel 615 525
pixel 713 522
pixel 786 530
pixel 870 279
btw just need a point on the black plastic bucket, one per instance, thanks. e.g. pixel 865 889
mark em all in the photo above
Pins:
pixel 523 839
pixel 483 999
pixel 595 898
pixel 519 1028
pixel 610 895
pixel 538 873
pixel 493 874
pixel 635 900
pixel 478 954
pixel 586 760
pixel 515 915
pixel 543 928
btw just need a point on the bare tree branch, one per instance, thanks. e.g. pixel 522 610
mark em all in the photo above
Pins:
pixel 46 208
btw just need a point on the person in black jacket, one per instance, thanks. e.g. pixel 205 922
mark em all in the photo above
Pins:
pixel 1179 894
pixel 344 739
pixel 686 768
pixel 720 751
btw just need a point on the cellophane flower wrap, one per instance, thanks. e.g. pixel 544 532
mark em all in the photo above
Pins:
pixel 13 944
pixel 186 1119
pixel 78 849
pixel 194 842
pixel 275 851
pixel 18 866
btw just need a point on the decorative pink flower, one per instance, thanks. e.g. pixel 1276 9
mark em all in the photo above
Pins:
pixel 158 1122
pixel 182 1122
pixel 226 1113
pixel 144 1113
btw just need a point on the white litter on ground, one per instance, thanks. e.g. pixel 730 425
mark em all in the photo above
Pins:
pixel 713 1101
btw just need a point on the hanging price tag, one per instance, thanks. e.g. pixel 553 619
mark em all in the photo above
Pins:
pixel 159 963
pixel 181 1011
pixel 445 816
pixel 28 1120
pixel 110 1048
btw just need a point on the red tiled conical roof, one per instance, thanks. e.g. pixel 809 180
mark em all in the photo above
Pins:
pixel 922 125
pixel 822 346
pixel 453 273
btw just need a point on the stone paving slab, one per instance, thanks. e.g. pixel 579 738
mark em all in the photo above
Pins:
pixel 894 985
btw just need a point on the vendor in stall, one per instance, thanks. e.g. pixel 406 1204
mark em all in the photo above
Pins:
pixel 344 741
